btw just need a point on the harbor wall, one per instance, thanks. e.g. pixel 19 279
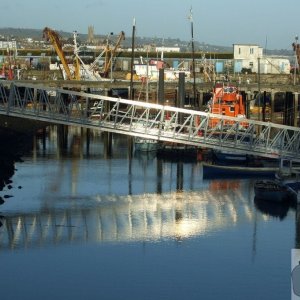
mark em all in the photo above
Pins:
pixel 200 77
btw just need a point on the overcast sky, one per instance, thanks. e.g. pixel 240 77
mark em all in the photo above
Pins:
pixel 272 24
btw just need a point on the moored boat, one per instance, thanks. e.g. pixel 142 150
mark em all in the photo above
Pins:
pixel 273 191
pixel 291 179
pixel 236 171
pixel 231 157
pixel 146 145
pixel 227 101
pixel 176 151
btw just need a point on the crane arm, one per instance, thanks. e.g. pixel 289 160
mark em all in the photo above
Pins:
pixel 54 38
pixel 94 63
pixel 110 53
pixel 296 49
pixel 120 38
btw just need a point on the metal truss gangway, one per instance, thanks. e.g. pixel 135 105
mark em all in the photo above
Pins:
pixel 147 120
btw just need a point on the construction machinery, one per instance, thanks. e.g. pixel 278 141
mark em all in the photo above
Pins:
pixel 109 55
pixel 296 48
pixel 82 71
pixel 55 39
pixel 85 72
pixel 91 72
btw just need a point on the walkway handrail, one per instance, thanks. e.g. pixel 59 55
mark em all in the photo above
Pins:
pixel 149 120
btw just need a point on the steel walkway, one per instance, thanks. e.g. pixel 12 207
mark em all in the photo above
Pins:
pixel 150 121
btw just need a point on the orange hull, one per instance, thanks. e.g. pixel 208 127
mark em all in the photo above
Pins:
pixel 226 101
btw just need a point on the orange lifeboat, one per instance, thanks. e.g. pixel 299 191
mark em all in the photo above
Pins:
pixel 226 101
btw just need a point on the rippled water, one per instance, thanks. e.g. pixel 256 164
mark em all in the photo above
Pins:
pixel 87 223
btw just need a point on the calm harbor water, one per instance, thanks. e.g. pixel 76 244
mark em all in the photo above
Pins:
pixel 81 220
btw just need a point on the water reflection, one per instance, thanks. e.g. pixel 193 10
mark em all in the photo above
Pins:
pixel 297 225
pixel 93 190
pixel 274 209
pixel 147 217
pixel 176 215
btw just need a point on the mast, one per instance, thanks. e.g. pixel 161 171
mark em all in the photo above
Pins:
pixel 193 56
pixel 296 58
pixel 132 60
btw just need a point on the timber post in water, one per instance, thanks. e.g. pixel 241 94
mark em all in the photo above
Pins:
pixel 297 218
pixel 181 94
pixel 296 104
pixel 161 87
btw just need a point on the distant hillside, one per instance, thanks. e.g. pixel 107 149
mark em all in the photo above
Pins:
pixel 21 33
pixel 37 34
pixel 29 33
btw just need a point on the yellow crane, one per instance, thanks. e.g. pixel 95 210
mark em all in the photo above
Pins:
pixel 110 53
pixel 54 38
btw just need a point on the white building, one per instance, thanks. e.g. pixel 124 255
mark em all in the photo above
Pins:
pixel 8 45
pixel 250 58
pixel 167 49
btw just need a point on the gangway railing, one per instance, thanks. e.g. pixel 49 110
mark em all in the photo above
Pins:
pixel 148 120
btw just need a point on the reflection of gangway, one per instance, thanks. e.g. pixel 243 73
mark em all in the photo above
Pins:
pixel 126 218
pixel 159 122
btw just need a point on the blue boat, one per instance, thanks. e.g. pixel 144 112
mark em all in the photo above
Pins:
pixel 231 157
pixel 211 171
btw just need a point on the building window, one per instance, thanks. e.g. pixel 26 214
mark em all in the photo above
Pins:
pixel 239 50
pixel 251 50
pixel 251 64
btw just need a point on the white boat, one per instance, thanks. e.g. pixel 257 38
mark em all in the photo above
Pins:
pixel 146 145
pixel 151 69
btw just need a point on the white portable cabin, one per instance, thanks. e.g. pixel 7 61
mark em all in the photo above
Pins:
pixel 248 56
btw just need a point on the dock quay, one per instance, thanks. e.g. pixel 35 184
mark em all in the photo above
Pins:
pixel 276 84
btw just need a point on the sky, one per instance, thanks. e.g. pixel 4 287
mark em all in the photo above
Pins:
pixel 271 24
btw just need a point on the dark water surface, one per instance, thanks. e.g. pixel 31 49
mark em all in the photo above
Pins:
pixel 84 222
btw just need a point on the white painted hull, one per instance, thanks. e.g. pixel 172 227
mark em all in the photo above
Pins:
pixel 146 145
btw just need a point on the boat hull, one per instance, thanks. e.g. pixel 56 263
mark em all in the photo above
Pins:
pixel 230 157
pixel 273 191
pixel 146 145
pixel 211 171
